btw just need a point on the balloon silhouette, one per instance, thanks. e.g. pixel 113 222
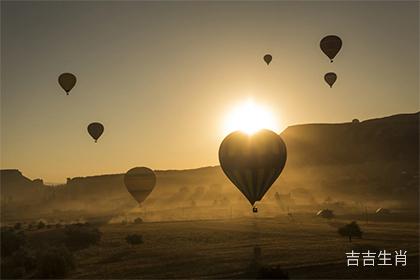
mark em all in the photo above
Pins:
pixel 95 130
pixel 67 81
pixel 268 58
pixel 331 45
pixel 325 213
pixel 140 182
pixel 330 78
pixel 253 162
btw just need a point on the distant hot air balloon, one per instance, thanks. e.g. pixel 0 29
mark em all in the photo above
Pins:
pixel 140 182
pixel 383 211
pixel 330 78
pixel 268 58
pixel 253 162
pixel 331 45
pixel 67 81
pixel 95 130
pixel 325 213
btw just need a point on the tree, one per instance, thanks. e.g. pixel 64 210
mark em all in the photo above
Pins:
pixel 138 220
pixel 134 239
pixel 272 272
pixel 80 236
pixel 350 230
pixel 11 241
pixel 41 225
pixel 54 262
pixel 19 265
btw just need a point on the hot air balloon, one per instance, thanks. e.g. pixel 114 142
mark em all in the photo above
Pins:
pixel 330 78
pixel 140 182
pixel 253 162
pixel 95 130
pixel 383 211
pixel 268 58
pixel 325 213
pixel 67 81
pixel 331 45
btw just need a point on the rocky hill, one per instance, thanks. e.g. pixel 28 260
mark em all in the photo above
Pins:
pixel 374 161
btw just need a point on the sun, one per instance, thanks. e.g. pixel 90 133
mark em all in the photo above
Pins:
pixel 250 117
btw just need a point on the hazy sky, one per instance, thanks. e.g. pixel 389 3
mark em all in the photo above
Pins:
pixel 163 76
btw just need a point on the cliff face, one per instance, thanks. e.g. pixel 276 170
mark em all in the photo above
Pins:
pixel 16 187
pixel 374 160
pixel 387 139
pixel 13 177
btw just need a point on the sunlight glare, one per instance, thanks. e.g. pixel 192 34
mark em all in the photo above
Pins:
pixel 250 117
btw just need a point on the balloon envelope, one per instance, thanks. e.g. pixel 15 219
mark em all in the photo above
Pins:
pixel 140 182
pixel 325 213
pixel 268 58
pixel 67 81
pixel 383 211
pixel 253 162
pixel 330 78
pixel 331 45
pixel 95 130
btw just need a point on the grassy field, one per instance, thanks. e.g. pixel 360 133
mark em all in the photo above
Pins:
pixel 306 248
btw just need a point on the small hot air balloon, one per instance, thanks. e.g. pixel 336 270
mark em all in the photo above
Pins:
pixel 331 45
pixel 253 162
pixel 95 130
pixel 330 78
pixel 140 182
pixel 67 81
pixel 268 58
pixel 383 211
pixel 326 214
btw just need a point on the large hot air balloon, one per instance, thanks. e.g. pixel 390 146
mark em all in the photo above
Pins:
pixel 95 130
pixel 268 58
pixel 140 182
pixel 67 81
pixel 330 78
pixel 331 45
pixel 253 162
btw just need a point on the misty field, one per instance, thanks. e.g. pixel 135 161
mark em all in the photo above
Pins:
pixel 304 248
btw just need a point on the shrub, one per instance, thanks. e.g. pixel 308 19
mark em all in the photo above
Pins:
pixel 272 272
pixel 18 265
pixel 350 230
pixel 10 269
pixel 11 241
pixel 41 225
pixel 81 236
pixel 134 239
pixel 54 262
pixel 138 220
